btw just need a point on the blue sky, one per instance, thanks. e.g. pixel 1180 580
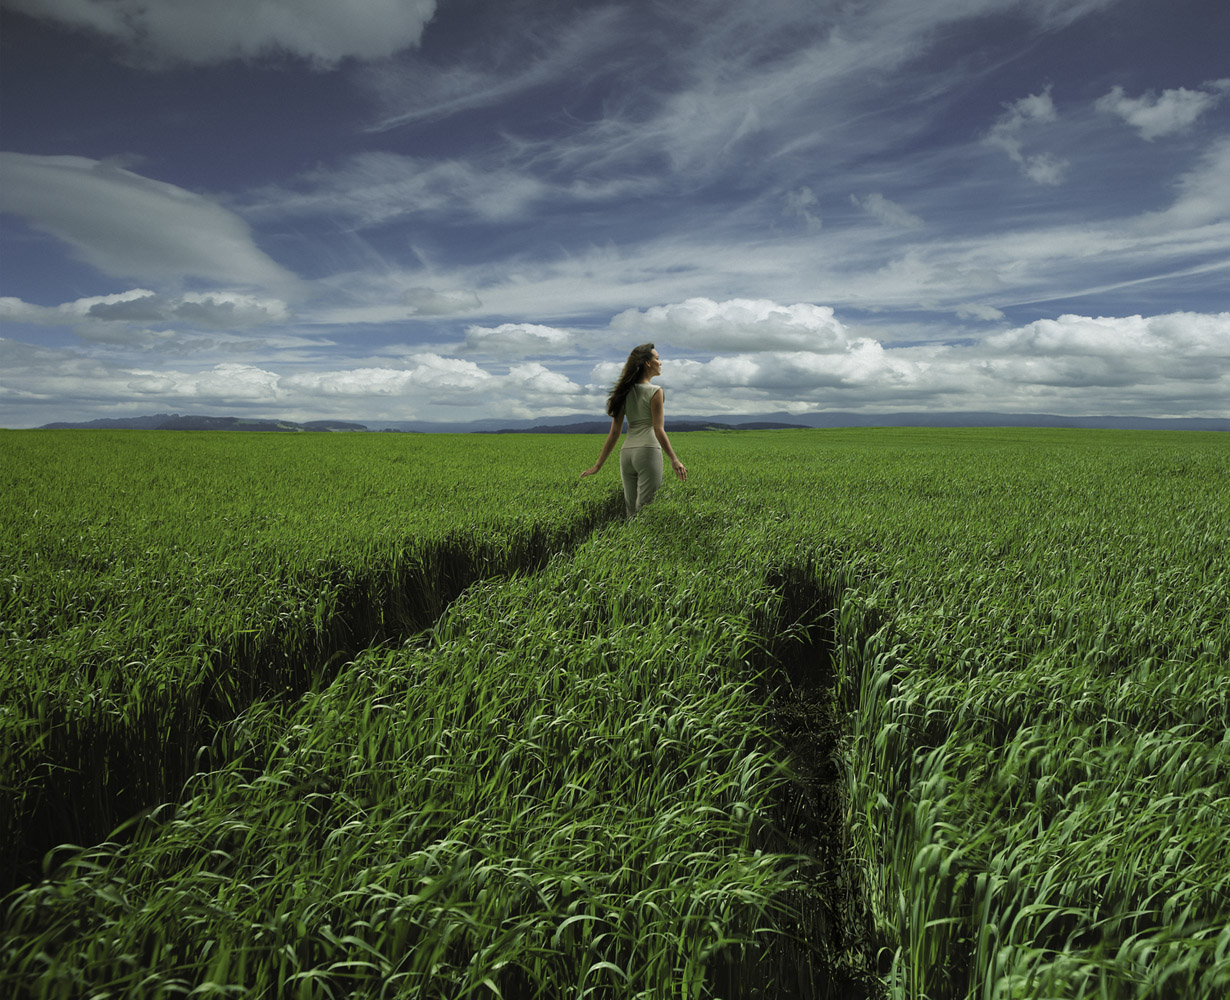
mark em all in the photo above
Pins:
pixel 454 209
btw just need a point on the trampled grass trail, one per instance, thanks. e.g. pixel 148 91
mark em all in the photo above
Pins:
pixel 602 776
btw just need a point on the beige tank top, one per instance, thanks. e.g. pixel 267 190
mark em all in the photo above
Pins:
pixel 640 419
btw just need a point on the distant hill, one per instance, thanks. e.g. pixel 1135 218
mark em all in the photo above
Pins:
pixel 584 423
pixel 115 423
pixel 174 422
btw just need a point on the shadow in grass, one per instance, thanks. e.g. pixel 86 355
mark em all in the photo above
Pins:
pixel 828 951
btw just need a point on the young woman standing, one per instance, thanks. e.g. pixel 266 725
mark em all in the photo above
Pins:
pixel 640 458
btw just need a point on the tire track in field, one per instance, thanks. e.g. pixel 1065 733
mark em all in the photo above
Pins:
pixel 85 789
pixel 831 953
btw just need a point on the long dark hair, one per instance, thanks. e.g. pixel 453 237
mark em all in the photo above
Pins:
pixel 634 368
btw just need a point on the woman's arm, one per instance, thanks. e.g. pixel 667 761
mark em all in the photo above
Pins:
pixel 657 409
pixel 617 425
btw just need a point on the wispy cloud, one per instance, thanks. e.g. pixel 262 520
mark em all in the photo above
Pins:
pixel 507 57
pixel 171 32
pixel 804 206
pixel 888 212
pixel 375 189
pixel 130 226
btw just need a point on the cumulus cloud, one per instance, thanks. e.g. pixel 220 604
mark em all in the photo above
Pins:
pixel 1173 111
pixel 772 379
pixel 517 339
pixel 215 310
pixel 42 382
pixel 888 212
pixel 169 32
pixel 738 324
pixel 540 380
pixel 1009 132
pixel 355 382
pixel 1177 363
pixel 1176 344
pixel 142 318
pixel 1169 364
pixel 221 384
pixel 129 226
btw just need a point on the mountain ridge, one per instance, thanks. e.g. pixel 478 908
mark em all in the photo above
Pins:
pixel 584 423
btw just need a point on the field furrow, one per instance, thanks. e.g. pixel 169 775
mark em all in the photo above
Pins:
pixel 172 588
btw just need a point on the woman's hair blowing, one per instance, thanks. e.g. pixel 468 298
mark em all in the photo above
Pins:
pixel 634 367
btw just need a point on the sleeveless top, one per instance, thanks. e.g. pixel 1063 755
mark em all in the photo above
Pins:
pixel 640 419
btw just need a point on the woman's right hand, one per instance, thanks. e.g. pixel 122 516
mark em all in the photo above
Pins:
pixel 680 470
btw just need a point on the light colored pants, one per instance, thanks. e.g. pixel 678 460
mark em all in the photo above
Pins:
pixel 641 472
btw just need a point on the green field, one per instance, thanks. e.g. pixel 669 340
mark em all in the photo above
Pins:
pixel 913 713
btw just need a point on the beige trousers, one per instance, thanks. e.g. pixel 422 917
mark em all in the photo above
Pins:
pixel 641 472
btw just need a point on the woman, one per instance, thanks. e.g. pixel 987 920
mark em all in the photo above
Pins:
pixel 640 458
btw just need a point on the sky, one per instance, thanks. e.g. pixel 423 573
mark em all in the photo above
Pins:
pixel 447 210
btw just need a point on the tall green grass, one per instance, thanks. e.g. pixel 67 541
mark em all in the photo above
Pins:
pixel 159 583
pixel 564 788
pixel 1027 700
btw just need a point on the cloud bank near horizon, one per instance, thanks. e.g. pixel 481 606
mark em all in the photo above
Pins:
pixel 750 356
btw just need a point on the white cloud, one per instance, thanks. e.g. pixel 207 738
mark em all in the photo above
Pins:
pixel 223 384
pixel 169 323
pixel 433 371
pixel 355 382
pixel 1175 345
pixel 517 339
pixel 38 385
pixel 166 32
pixel 737 324
pixel 126 225
pixel 888 212
pixel 1170 364
pixel 1173 364
pixel 1021 118
pixel 215 310
pixel 541 381
pixel 1173 111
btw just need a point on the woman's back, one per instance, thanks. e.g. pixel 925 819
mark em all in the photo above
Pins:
pixel 640 417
